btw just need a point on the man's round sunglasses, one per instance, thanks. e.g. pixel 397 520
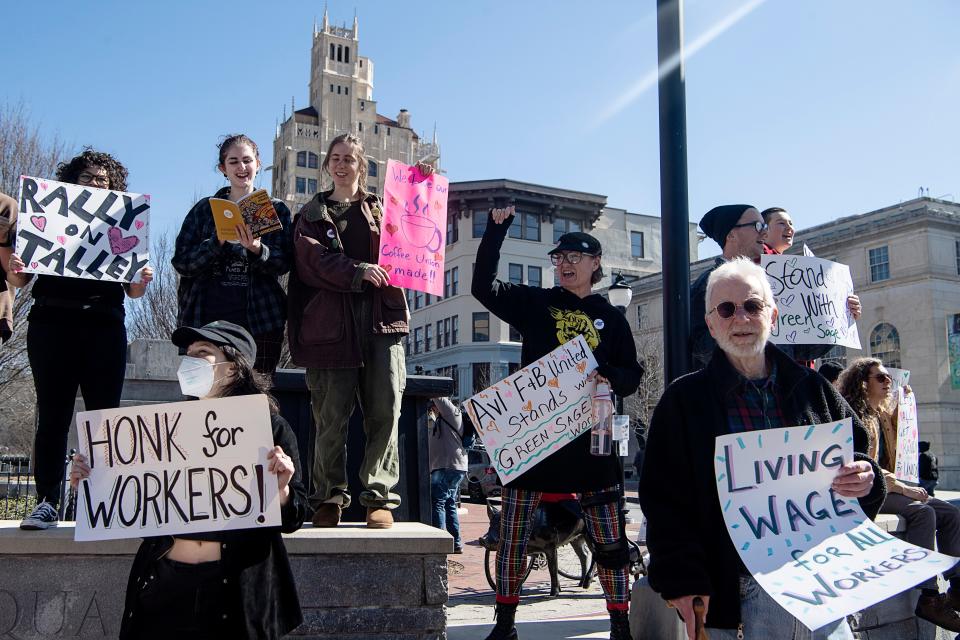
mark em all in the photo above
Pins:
pixel 882 377
pixel 759 225
pixel 752 307
pixel 573 257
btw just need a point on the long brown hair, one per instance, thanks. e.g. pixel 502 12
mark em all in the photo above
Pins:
pixel 854 382
pixel 246 380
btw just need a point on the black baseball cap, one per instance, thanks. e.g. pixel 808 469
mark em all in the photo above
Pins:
pixel 220 333
pixel 578 241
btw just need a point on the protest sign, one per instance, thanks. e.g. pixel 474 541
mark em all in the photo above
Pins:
pixel 814 551
pixel 953 349
pixel 183 467
pixel 413 229
pixel 900 377
pixel 78 231
pixel 811 297
pixel 908 438
pixel 537 410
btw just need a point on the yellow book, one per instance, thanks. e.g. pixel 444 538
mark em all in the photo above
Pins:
pixel 255 209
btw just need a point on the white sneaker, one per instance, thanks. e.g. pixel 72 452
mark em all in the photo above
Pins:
pixel 44 516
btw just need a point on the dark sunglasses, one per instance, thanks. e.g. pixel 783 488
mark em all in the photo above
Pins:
pixel 752 307
pixel 882 377
pixel 759 225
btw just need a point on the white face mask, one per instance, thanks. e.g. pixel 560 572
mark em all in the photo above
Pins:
pixel 196 377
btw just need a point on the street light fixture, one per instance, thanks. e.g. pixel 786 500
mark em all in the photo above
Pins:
pixel 620 293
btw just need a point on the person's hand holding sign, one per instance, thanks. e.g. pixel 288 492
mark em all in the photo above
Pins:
pixel 281 464
pixel 376 275
pixel 499 215
pixel 79 469
pixel 853 306
pixel 854 479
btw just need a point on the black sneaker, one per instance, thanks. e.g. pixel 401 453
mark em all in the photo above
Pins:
pixel 44 516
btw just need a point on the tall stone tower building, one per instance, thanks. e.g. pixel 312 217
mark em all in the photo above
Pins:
pixel 341 101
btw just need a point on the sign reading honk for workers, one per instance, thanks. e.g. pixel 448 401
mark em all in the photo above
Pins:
pixel 534 412
pixel 814 551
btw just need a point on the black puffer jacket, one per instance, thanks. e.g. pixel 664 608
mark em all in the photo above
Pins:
pixel 690 551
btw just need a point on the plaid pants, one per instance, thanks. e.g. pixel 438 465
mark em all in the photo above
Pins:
pixel 518 509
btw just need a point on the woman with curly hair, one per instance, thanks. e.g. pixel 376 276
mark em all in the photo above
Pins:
pixel 235 281
pixel 866 385
pixel 75 339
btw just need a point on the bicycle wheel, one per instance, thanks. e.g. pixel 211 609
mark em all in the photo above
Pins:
pixel 574 560
pixel 490 568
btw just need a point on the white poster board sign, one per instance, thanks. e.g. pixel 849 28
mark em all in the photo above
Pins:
pixel 908 438
pixel 812 550
pixel 811 297
pixel 534 412
pixel 901 377
pixel 78 231
pixel 183 467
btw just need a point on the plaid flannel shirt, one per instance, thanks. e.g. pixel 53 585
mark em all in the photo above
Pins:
pixel 198 253
pixel 755 404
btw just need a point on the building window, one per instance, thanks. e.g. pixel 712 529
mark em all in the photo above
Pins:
pixel 409 298
pixel 360 125
pixel 313 160
pixel 837 354
pixel 446 332
pixel 311 185
pixel 957 248
pixel 515 335
pixel 641 316
pixel 454 281
pixel 301 158
pixel 885 344
pixel 451 372
pixel 339 53
pixel 446 284
pixel 376 129
pixel 535 276
pixel 338 89
pixel 516 273
pixel 417 340
pixel 479 222
pixel 481 376
pixel 455 330
pixel 417 299
pixel 879 264
pixel 426 300
pixel 636 244
pixel 346 91
pixel 331 87
pixel 440 343
pixel 564 225
pixel 346 54
pixel 427 338
pixel 481 326
pixel 525 226
pixel 333 52
pixel 388 130
pixel 372 168
pixel 453 231
pixel 301 185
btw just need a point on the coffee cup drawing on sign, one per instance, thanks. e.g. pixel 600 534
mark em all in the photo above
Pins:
pixel 419 230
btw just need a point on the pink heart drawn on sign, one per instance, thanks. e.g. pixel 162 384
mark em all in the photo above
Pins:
pixel 120 244
pixel 43 185
pixel 387 267
pixel 39 222
pixel 62 239
pixel 138 224
pixel 33 265
pixel 391 228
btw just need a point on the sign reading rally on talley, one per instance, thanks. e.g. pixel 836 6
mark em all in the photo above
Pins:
pixel 811 297
pixel 537 410
pixel 183 467
pixel 412 246
pixel 82 232
pixel 908 437
pixel 813 550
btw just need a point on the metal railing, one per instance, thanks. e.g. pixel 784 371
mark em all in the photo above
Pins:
pixel 18 492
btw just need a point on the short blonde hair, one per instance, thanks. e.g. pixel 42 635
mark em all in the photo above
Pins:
pixel 740 268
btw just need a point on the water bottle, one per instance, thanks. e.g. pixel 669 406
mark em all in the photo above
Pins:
pixel 601 434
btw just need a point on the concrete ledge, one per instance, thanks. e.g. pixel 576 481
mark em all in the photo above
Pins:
pixel 352 582
pixel 891 523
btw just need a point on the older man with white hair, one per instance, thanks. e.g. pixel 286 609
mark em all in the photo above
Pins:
pixel 748 385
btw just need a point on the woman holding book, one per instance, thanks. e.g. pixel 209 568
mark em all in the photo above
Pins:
pixel 76 339
pixel 237 280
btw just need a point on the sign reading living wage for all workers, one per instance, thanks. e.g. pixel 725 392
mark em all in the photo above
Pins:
pixel 413 229
pixel 183 467
pixel 907 465
pixel 82 232
pixel 537 410
pixel 811 297
pixel 813 550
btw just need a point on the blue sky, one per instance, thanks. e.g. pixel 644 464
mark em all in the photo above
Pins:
pixel 827 108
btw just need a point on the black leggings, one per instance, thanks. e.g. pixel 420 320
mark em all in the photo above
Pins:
pixel 180 598
pixel 64 358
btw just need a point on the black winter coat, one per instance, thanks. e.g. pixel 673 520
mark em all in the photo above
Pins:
pixel 263 600
pixel 547 318
pixel 690 551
